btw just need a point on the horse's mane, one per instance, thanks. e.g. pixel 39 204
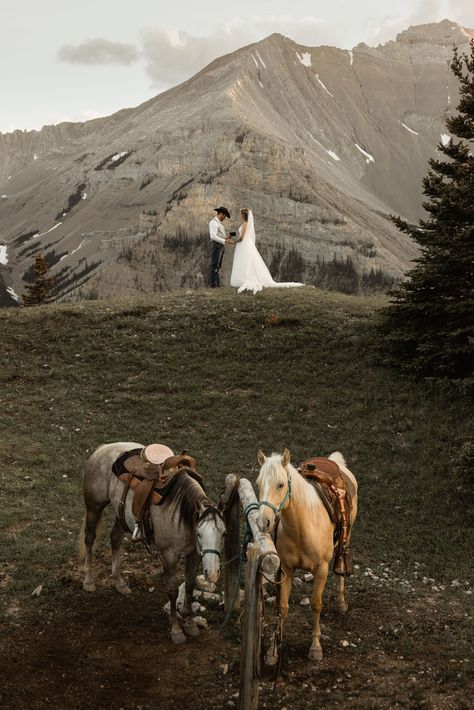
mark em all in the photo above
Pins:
pixel 186 495
pixel 300 488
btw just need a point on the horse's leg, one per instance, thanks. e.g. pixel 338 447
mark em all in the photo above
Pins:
pixel 320 577
pixel 283 597
pixel 170 561
pixel 190 627
pixel 341 603
pixel 93 518
pixel 116 539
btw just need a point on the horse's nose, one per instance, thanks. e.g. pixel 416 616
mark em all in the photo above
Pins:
pixel 212 576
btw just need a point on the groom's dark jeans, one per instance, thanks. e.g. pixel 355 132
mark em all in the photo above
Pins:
pixel 216 262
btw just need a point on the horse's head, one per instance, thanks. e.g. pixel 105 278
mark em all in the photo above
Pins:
pixel 210 534
pixel 274 485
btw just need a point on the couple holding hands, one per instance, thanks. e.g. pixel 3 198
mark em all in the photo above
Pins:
pixel 249 271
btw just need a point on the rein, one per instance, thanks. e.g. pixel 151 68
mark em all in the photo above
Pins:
pixel 280 507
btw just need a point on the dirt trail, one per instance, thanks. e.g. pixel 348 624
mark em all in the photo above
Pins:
pixel 393 649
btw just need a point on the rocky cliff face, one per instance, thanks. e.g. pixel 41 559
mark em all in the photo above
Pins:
pixel 323 144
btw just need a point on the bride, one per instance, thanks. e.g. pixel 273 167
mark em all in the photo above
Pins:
pixel 249 271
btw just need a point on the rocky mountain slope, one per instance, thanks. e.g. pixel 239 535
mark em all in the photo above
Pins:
pixel 322 143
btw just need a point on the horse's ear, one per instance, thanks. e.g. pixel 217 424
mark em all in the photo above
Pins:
pixel 286 456
pixel 261 457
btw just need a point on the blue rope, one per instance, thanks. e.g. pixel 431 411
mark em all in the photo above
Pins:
pixel 243 557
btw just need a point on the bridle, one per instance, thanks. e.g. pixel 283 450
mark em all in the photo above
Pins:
pixel 207 550
pixel 278 510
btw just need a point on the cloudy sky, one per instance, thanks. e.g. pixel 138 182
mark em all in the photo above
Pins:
pixel 64 60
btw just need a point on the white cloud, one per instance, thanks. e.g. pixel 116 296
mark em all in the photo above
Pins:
pixel 172 55
pixel 98 51
pixel 462 11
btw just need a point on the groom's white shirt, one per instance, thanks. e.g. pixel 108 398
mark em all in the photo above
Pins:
pixel 217 231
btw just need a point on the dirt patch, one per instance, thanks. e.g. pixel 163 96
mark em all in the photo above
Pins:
pixel 77 650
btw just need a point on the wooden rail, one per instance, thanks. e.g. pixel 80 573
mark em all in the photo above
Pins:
pixel 262 557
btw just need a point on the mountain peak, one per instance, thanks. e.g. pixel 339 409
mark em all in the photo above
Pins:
pixel 446 33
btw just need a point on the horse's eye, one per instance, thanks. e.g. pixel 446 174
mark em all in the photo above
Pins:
pixel 280 485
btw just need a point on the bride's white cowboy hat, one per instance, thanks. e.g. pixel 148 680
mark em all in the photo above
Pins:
pixel 224 210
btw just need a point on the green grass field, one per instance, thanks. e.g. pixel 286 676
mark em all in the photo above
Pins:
pixel 222 376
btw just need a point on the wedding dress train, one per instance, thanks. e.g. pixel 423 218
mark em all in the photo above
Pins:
pixel 249 271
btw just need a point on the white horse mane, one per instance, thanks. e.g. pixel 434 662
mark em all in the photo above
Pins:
pixel 275 471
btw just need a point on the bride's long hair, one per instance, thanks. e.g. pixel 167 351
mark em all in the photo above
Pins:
pixel 245 213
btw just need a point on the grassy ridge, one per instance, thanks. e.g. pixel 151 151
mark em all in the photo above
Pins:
pixel 222 376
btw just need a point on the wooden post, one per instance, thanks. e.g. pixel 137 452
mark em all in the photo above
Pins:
pixel 271 561
pixel 261 557
pixel 251 632
pixel 232 546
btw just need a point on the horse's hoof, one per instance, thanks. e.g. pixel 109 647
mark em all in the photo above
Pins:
pixel 343 608
pixel 315 654
pixel 122 587
pixel 177 636
pixel 88 586
pixel 190 628
pixel 271 660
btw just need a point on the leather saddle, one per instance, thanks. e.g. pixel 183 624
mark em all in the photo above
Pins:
pixel 149 476
pixel 336 491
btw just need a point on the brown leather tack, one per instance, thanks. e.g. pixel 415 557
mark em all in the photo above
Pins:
pixel 336 491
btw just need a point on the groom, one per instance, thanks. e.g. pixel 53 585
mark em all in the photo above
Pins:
pixel 219 239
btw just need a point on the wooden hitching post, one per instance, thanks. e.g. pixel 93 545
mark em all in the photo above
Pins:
pixel 251 633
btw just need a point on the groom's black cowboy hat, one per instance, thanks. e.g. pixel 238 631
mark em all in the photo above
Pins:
pixel 224 210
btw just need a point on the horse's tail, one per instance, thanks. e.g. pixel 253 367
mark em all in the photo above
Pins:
pixel 338 458
pixel 81 541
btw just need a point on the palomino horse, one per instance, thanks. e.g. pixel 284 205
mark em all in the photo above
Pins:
pixel 304 535
pixel 185 524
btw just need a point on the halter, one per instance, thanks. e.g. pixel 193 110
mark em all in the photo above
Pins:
pixel 210 550
pixel 287 497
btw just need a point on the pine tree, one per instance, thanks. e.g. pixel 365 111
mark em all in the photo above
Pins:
pixel 429 326
pixel 41 290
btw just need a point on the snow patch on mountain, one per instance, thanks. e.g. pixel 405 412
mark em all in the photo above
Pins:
pixel 445 139
pixel 3 254
pixel 409 129
pixel 304 58
pixel 368 158
pixel 117 156
pixel 47 231
pixel 331 153
pixel 12 293
pixel 261 60
pixel 324 87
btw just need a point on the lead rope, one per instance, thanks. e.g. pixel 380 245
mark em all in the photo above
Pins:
pixel 242 557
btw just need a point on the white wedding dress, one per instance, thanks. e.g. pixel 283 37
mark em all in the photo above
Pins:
pixel 249 271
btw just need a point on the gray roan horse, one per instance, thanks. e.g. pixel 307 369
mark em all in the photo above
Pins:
pixel 185 524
